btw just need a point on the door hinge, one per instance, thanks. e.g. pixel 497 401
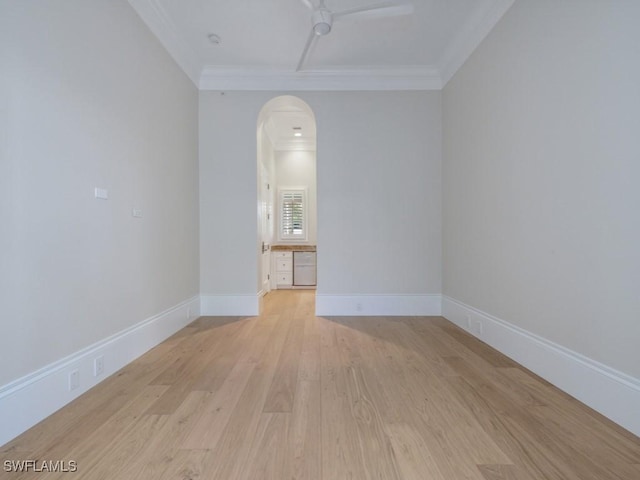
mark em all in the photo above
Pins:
pixel 268 277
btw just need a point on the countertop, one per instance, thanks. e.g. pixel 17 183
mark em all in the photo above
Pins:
pixel 293 248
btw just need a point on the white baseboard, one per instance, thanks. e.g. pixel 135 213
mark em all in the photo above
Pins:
pixel 614 394
pixel 372 305
pixel 28 400
pixel 230 305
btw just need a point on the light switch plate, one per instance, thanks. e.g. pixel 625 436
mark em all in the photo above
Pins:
pixel 102 193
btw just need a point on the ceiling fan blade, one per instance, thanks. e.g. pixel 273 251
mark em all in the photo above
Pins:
pixel 384 9
pixel 308 4
pixel 307 47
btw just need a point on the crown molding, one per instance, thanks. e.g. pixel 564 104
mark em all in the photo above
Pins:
pixel 469 38
pixel 160 24
pixel 362 78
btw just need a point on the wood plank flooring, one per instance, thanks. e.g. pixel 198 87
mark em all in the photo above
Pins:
pixel 288 395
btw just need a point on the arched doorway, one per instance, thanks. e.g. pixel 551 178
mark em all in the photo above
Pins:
pixel 286 167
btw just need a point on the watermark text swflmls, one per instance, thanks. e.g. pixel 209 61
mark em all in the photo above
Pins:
pixel 58 466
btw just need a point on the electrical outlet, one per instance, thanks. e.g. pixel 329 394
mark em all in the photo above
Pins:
pixel 478 329
pixel 468 317
pixel 358 307
pixel 74 380
pixel 98 366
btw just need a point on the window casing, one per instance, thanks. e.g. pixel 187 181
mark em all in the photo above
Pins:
pixel 293 214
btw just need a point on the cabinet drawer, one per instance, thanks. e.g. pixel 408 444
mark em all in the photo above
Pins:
pixel 283 255
pixel 284 279
pixel 284 265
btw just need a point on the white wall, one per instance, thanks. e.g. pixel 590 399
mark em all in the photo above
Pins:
pixel 541 171
pixel 228 200
pixel 379 174
pixel 89 98
pixel 378 180
pixel 297 169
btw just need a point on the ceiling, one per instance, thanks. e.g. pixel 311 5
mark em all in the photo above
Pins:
pixel 288 123
pixel 282 124
pixel 261 42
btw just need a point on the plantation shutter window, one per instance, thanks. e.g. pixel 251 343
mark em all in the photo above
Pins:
pixel 293 214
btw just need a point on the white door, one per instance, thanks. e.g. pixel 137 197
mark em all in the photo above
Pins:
pixel 266 214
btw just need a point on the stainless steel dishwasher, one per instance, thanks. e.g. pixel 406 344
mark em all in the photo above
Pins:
pixel 304 269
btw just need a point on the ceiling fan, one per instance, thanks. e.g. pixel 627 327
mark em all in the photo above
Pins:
pixel 322 18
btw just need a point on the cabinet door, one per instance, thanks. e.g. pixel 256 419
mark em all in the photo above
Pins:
pixel 284 280
pixel 282 270
pixel 284 265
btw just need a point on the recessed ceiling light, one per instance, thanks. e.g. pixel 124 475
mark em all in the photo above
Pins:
pixel 213 38
pixel 297 134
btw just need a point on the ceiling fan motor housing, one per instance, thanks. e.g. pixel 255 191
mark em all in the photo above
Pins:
pixel 322 20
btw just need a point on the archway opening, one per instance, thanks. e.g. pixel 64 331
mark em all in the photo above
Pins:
pixel 287 195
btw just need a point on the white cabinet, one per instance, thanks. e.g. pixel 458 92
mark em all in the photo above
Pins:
pixel 283 263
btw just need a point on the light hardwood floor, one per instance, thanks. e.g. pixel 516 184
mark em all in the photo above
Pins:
pixel 291 396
